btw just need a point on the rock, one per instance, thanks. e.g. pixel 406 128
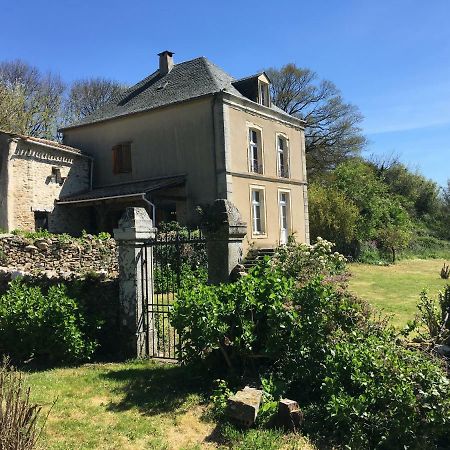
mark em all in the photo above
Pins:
pixel 243 407
pixel 443 350
pixel 290 417
pixel 237 273
pixel 41 244
pixel 18 274
pixel 31 248
pixel 50 274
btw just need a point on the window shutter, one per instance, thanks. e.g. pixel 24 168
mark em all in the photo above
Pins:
pixel 116 158
pixel 126 158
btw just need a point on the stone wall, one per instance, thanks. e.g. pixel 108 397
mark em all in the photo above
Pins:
pixel 32 185
pixel 59 256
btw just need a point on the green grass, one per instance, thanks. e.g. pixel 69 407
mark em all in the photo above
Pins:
pixel 395 289
pixel 137 405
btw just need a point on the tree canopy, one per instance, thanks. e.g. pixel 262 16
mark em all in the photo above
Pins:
pixel 332 130
pixel 32 100
pixel 87 96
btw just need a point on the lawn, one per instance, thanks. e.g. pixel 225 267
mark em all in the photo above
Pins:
pixel 395 289
pixel 137 405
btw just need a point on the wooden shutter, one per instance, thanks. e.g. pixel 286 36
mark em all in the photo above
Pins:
pixel 116 158
pixel 126 158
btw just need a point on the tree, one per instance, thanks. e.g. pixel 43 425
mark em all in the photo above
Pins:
pixel 87 96
pixel 33 99
pixel 332 130
pixel 332 216
pixel 11 109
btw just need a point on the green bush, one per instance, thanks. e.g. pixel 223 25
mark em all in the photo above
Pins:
pixel 377 394
pixel 319 345
pixel 48 328
pixel 304 262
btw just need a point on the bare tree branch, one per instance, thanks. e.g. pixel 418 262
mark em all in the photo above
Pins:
pixel 332 132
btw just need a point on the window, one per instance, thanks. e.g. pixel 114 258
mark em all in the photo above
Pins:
pixel 255 153
pixel 258 222
pixel 56 176
pixel 283 159
pixel 264 94
pixel 41 220
pixel 122 158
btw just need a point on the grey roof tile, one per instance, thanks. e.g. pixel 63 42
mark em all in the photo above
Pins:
pixel 186 80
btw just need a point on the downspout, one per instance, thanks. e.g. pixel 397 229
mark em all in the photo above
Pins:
pixel 152 205
pixel 91 181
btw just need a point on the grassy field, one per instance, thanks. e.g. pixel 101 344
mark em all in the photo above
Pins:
pixel 137 405
pixel 395 289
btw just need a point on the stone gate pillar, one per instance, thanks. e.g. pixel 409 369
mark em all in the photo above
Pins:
pixel 135 281
pixel 225 232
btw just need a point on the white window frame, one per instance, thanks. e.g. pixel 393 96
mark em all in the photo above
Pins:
pixel 259 149
pixel 263 212
pixel 262 86
pixel 289 205
pixel 286 154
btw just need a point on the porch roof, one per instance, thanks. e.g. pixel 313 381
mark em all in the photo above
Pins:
pixel 131 189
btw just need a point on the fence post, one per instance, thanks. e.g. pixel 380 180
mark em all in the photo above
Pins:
pixel 135 279
pixel 225 232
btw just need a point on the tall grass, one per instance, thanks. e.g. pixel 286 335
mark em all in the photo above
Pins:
pixel 18 416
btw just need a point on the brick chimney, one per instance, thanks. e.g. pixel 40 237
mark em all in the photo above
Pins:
pixel 165 62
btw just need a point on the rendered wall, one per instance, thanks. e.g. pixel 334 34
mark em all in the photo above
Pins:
pixel 239 122
pixel 168 141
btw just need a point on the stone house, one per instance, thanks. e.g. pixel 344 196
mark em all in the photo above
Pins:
pixel 184 136
pixel 188 134
pixel 33 174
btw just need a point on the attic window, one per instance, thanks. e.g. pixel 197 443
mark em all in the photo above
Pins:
pixel 264 94
pixel 122 158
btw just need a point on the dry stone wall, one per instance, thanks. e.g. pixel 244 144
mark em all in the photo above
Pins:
pixel 59 257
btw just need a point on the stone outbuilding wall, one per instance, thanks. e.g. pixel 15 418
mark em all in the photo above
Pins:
pixel 33 174
pixel 59 256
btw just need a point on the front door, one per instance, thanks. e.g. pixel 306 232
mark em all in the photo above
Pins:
pixel 284 217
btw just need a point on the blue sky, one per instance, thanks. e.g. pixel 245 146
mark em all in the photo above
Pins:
pixel 391 58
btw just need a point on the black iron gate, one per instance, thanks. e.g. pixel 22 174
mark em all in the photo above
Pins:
pixel 168 261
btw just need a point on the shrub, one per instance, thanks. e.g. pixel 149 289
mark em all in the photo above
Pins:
pixel 445 272
pixel 304 262
pixel 377 394
pixel 46 327
pixel 18 416
pixel 433 317
pixel 333 215
pixel 319 345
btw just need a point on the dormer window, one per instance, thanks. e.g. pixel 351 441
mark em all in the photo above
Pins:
pixel 264 93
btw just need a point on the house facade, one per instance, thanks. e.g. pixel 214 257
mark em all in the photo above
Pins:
pixel 187 135
pixel 33 174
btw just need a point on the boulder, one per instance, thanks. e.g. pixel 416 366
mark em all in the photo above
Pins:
pixel 243 406
pixel 290 417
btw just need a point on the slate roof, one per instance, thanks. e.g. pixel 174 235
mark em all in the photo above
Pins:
pixel 46 142
pixel 125 189
pixel 186 81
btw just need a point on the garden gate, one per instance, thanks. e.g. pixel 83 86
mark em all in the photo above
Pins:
pixel 167 261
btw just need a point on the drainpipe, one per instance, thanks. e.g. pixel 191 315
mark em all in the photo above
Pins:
pixel 152 205
pixel 91 180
